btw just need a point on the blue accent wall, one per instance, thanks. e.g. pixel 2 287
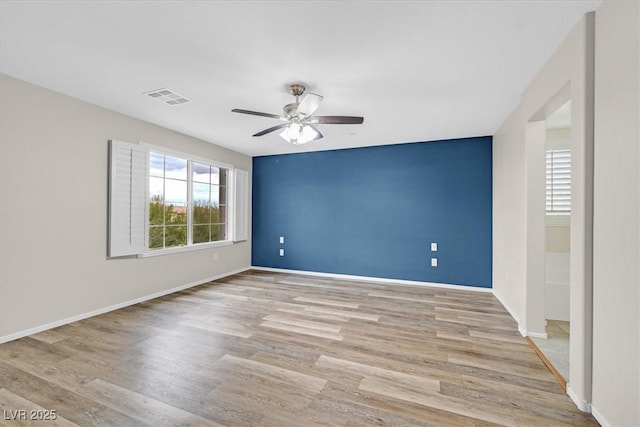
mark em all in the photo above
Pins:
pixel 375 211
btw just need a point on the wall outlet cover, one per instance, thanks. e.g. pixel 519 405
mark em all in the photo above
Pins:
pixel 434 247
pixel 281 252
pixel 434 262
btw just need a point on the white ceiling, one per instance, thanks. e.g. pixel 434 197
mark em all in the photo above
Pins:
pixel 417 71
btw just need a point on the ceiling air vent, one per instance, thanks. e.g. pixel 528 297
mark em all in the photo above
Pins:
pixel 167 96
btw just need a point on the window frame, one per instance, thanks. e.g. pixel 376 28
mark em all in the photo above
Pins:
pixel 230 205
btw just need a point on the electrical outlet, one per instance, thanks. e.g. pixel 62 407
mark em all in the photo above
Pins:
pixel 281 240
pixel 281 252
pixel 434 262
pixel 434 247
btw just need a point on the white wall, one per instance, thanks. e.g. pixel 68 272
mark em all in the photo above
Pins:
pixel 616 278
pixel 518 194
pixel 557 286
pixel 53 211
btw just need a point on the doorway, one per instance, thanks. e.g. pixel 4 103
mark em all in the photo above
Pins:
pixel 580 230
pixel 555 346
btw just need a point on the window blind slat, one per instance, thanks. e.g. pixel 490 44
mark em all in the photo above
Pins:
pixel 558 181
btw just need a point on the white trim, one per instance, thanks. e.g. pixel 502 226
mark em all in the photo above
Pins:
pixel 544 336
pixel 374 279
pixel 189 158
pixel 179 249
pixel 557 220
pixel 523 331
pixel 599 417
pixel 41 328
pixel 583 405
pixel 184 155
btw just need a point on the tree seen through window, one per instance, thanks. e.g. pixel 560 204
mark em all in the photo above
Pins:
pixel 169 200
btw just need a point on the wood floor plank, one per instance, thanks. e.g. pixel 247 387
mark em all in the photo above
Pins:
pixel 302 311
pixel 18 411
pixel 217 327
pixel 302 330
pixel 68 404
pixel 436 400
pixel 303 323
pixel 517 339
pixel 323 301
pixel 406 380
pixel 141 407
pixel 403 297
pixel 349 314
pixel 376 409
pixel 266 370
pixel 274 349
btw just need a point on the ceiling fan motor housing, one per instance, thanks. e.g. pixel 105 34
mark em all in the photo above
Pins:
pixel 290 110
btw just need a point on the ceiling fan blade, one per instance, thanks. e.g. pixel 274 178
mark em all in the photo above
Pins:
pixel 318 133
pixel 309 104
pixel 271 129
pixel 339 120
pixel 256 113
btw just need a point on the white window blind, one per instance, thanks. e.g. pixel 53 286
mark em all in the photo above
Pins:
pixel 242 205
pixel 558 181
pixel 127 198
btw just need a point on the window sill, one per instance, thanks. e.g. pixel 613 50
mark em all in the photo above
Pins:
pixel 181 249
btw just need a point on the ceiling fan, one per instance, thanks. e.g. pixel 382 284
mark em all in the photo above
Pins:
pixel 299 119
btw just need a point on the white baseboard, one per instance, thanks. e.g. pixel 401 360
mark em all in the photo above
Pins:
pixel 523 331
pixel 583 405
pixel 544 336
pixel 41 328
pixel 374 279
pixel 526 333
pixel 599 417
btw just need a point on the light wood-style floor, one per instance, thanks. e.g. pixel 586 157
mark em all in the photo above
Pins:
pixel 268 349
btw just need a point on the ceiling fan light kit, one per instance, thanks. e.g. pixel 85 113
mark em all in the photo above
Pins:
pixel 299 119
pixel 298 134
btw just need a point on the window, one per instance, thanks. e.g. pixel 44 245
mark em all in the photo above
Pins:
pixel 168 201
pixel 163 202
pixel 209 203
pixel 187 202
pixel 559 182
